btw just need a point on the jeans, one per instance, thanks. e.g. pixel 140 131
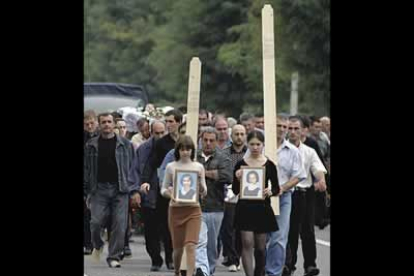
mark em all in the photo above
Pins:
pixel 108 202
pixel 206 252
pixel 277 241
pixel 201 250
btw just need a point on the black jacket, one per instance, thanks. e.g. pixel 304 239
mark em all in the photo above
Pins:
pixel 214 201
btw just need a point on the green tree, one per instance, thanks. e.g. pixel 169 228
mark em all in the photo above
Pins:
pixel 152 42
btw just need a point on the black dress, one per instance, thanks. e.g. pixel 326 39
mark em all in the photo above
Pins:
pixel 256 215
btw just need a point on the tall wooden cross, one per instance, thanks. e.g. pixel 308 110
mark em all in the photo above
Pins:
pixel 193 99
pixel 269 90
pixel 193 106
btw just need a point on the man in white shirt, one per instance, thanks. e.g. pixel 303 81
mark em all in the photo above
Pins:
pixel 290 172
pixel 302 219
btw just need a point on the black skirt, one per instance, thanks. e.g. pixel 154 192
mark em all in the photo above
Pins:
pixel 255 215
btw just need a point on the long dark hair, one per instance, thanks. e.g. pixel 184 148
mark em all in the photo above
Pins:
pixel 184 142
pixel 255 134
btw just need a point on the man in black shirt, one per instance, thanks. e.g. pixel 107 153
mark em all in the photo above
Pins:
pixel 230 237
pixel 173 119
pixel 107 160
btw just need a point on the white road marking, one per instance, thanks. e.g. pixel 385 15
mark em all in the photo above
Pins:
pixel 323 242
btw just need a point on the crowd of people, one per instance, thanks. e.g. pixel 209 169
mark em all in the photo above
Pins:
pixel 126 170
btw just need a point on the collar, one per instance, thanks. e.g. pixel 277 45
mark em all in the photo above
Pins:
pixel 286 144
pixel 205 157
pixel 94 141
pixel 233 151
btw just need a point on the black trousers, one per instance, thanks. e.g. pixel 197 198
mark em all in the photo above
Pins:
pixel 230 237
pixel 321 211
pixel 165 235
pixel 87 242
pixel 156 231
pixel 152 235
pixel 302 223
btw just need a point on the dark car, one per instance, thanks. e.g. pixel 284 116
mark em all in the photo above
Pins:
pixel 108 97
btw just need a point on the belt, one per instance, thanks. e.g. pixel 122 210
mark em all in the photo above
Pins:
pixel 300 189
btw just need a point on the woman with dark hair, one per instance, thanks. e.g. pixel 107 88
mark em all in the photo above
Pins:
pixel 184 218
pixel 255 218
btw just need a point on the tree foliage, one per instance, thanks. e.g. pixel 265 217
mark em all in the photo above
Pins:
pixel 152 42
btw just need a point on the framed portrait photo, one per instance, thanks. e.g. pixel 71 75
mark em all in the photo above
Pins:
pixel 185 186
pixel 252 183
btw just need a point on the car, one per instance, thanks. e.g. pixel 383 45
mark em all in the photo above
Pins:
pixel 109 97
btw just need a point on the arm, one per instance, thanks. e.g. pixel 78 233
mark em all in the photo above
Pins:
pixel 168 178
pixel 168 159
pixel 86 172
pixel 134 174
pixel 274 179
pixel 132 188
pixel 236 183
pixel 223 172
pixel 202 179
pixel 151 165
pixel 290 184
pixel 318 170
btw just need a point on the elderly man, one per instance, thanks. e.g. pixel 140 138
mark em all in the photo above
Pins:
pixel 143 133
pixel 222 127
pixel 173 119
pixel 326 126
pixel 149 196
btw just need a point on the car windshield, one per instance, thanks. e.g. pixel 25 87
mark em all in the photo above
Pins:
pixel 109 97
pixel 111 103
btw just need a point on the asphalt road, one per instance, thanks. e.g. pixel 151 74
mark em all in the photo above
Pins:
pixel 139 264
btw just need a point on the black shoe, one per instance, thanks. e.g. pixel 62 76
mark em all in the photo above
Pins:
pixel 287 271
pixel 155 268
pixel 170 266
pixel 183 272
pixel 87 251
pixel 311 271
pixel 199 272
pixel 127 252
pixel 226 262
pixel 323 224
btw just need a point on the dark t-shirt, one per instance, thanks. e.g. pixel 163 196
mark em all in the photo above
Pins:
pixel 161 147
pixel 107 168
